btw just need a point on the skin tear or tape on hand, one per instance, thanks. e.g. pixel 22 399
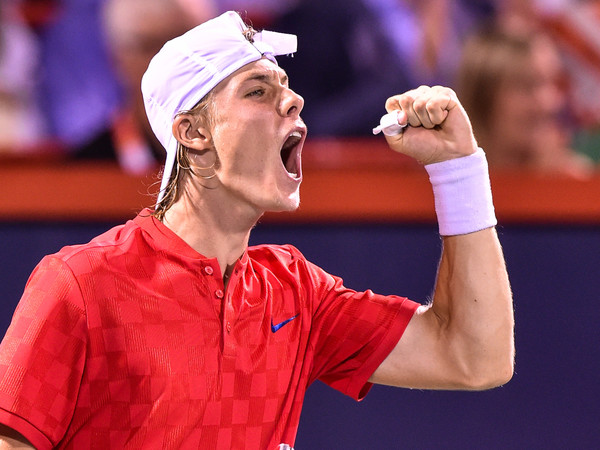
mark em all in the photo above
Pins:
pixel 389 124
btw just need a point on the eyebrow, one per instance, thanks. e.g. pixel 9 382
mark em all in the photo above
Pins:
pixel 269 77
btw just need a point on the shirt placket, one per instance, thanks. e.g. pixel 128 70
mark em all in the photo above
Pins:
pixel 224 306
pixel 230 315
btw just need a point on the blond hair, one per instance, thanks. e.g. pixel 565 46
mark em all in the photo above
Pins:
pixel 204 111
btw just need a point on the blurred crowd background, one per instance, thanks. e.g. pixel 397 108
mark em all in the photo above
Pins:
pixel 527 71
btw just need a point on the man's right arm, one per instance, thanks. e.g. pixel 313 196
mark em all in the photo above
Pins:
pixel 465 338
pixel 11 439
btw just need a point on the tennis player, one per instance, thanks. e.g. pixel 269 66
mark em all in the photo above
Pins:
pixel 171 332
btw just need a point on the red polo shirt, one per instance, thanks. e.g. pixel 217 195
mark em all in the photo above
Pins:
pixel 132 341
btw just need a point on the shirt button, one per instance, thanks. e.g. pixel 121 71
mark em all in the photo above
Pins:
pixel 208 270
pixel 219 293
pixel 228 327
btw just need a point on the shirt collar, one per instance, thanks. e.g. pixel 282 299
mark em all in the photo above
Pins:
pixel 168 241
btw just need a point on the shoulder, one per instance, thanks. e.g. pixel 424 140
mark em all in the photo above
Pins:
pixel 281 261
pixel 271 252
pixel 285 257
pixel 286 260
pixel 104 247
pixel 77 273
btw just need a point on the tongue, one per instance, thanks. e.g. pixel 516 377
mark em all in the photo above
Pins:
pixel 285 157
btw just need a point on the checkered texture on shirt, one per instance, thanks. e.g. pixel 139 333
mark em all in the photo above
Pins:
pixel 122 343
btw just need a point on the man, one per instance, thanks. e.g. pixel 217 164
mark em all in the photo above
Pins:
pixel 170 332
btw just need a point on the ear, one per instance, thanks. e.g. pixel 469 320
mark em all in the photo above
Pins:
pixel 190 133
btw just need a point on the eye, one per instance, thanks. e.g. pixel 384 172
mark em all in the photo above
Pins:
pixel 256 93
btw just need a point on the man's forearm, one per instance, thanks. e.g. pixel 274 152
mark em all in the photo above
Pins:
pixel 474 303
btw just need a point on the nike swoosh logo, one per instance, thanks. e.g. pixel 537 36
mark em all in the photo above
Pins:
pixel 275 328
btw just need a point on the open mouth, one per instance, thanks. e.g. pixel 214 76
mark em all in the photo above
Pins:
pixel 289 153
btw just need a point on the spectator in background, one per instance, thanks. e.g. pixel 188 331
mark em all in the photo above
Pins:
pixel 22 126
pixel 427 35
pixel 509 83
pixel 136 30
pixel 87 98
pixel 357 50
pixel 574 26
pixel 345 65
pixel 79 92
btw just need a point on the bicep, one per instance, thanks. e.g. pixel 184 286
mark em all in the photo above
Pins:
pixel 11 439
pixel 420 359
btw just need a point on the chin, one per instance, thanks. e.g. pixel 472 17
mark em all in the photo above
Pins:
pixel 289 204
pixel 285 208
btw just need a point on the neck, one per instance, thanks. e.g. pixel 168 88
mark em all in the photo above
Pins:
pixel 212 230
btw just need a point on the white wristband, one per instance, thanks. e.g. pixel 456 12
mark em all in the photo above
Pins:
pixel 463 194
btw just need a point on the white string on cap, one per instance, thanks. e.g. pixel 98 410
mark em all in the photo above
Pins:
pixel 389 124
pixel 275 43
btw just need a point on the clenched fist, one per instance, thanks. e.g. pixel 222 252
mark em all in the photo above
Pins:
pixel 439 128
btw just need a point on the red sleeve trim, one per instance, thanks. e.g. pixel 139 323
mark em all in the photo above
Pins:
pixel 31 433
pixel 360 386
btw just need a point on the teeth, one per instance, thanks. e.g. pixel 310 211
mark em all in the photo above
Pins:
pixel 296 134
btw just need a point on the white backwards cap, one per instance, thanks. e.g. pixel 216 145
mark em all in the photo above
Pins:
pixel 190 66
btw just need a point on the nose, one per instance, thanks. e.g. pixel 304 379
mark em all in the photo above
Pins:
pixel 549 97
pixel 291 103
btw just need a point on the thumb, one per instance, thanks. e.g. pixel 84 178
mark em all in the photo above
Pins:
pixel 402 118
pixel 392 123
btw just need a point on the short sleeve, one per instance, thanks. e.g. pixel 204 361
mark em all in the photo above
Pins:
pixel 353 332
pixel 42 356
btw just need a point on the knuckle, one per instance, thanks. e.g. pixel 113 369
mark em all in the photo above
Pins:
pixel 406 101
pixel 431 106
pixel 420 103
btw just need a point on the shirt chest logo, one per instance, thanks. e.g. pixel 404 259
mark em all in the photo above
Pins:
pixel 277 327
